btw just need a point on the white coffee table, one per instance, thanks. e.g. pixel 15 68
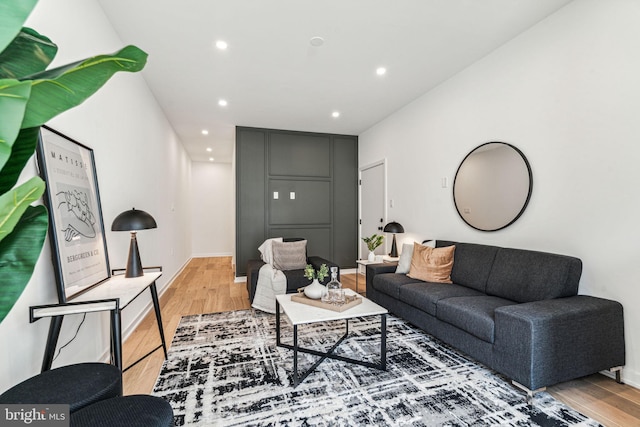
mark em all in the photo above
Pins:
pixel 300 314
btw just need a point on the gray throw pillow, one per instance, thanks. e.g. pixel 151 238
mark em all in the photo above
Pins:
pixel 289 255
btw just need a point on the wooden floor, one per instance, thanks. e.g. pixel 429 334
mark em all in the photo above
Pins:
pixel 207 285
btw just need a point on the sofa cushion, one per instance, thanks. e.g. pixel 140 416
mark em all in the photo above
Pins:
pixel 474 315
pixel 527 276
pixel 390 283
pixel 289 255
pixel 431 264
pixel 472 263
pixel 425 296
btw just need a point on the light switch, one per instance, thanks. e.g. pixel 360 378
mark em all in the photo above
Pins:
pixel 275 195
pixel 292 195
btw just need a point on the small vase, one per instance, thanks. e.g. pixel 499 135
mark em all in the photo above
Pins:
pixel 371 257
pixel 314 290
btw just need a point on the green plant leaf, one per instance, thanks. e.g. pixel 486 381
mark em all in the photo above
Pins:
pixel 15 202
pixel 13 102
pixel 19 253
pixel 22 150
pixel 13 13
pixel 29 53
pixel 60 89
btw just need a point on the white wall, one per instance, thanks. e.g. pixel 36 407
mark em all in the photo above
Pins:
pixel 213 209
pixel 140 162
pixel 566 93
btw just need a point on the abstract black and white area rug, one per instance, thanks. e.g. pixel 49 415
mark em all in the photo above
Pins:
pixel 224 369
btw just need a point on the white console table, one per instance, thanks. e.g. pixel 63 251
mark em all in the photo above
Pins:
pixel 114 295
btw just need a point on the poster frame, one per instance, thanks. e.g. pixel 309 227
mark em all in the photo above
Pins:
pixel 61 160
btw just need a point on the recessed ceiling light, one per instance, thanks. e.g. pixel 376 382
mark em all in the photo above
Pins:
pixel 205 132
pixel 381 71
pixel 209 149
pixel 211 159
pixel 221 44
pixel 222 103
pixel 316 41
pixel 335 114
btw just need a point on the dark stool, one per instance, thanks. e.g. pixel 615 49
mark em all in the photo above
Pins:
pixel 129 411
pixel 76 385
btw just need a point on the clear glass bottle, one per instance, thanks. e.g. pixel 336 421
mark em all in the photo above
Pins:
pixel 335 295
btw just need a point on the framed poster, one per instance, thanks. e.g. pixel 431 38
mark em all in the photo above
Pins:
pixel 76 228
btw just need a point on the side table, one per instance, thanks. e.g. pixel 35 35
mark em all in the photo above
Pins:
pixel 362 269
pixel 114 295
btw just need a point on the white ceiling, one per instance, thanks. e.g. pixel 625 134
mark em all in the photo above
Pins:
pixel 272 77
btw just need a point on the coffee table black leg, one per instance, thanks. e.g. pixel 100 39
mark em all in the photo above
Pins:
pixel 277 323
pixel 296 379
pixel 383 342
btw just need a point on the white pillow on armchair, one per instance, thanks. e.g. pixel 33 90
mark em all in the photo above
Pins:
pixel 266 250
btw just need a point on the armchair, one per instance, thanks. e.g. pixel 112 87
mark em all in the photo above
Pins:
pixel 295 278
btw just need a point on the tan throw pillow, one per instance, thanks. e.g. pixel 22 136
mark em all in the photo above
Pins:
pixel 432 264
pixel 289 255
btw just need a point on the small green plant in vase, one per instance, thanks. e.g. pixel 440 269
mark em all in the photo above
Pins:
pixel 313 274
pixel 315 289
pixel 372 243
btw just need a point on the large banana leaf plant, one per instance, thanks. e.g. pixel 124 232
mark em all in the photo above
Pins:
pixel 30 95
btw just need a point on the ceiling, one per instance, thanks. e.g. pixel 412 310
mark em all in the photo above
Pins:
pixel 273 77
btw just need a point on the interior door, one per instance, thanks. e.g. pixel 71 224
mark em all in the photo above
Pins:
pixel 372 205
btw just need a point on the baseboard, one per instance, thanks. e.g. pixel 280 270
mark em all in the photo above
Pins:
pixel 212 255
pixel 240 279
pixel 628 377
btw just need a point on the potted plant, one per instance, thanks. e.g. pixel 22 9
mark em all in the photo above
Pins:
pixel 31 95
pixel 315 289
pixel 372 243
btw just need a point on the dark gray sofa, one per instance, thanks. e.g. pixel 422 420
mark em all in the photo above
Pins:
pixel 516 311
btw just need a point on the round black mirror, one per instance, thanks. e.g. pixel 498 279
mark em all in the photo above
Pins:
pixel 492 186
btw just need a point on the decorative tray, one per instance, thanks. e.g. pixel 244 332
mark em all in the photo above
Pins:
pixel 350 301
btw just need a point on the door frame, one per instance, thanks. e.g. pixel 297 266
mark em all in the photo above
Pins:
pixel 383 163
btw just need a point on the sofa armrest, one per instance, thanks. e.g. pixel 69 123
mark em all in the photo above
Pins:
pixel 373 269
pixel 317 262
pixel 253 267
pixel 546 342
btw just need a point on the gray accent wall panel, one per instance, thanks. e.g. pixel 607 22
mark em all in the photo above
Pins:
pixel 309 205
pixel 345 200
pixel 322 171
pixel 250 194
pixel 318 239
pixel 298 154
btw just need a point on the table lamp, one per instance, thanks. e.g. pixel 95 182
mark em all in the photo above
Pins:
pixel 133 221
pixel 393 227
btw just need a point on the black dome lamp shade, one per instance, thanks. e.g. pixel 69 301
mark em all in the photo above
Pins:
pixel 393 227
pixel 133 221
